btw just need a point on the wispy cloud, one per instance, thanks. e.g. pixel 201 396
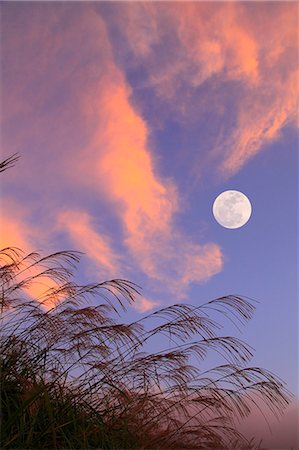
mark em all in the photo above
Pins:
pixel 260 121
pixel 247 50
pixel 86 238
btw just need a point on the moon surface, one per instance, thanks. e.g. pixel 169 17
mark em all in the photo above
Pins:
pixel 232 209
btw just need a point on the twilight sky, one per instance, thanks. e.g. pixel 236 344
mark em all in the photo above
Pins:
pixel 130 119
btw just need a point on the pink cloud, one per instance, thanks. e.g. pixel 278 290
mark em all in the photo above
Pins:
pixel 251 45
pixel 144 304
pixel 145 203
pixel 96 142
pixel 16 227
pixel 97 246
pixel 259 123
pixel 12 235
pixel 15 232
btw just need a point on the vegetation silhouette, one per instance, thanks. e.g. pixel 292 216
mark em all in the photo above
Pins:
pixel 74 376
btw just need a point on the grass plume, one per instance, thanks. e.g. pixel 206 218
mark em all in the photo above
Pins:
pixel 73 375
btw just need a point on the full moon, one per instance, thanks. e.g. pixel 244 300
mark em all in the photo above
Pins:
pixel 232 209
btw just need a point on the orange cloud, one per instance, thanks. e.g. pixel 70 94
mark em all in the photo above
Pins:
pixel 117 163
pixel 207 40
pixel 270 105
pixel 248 48
pixel 16 233
pixel 174 261
pixel 259 123
pixel 127 164
pixel 97 246
pixel 202 263
pixel 12 235
pixel 126 172
pixel 15 230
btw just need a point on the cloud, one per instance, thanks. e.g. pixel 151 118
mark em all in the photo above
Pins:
pixel 146 203
pixel 14 235
pixel 17 228
pixel 259 123
pixel 75 110
pixel 15 232
pixel 97 246
pixel 127 165
pixel 232 64
pixel 144 304
pixel 174 261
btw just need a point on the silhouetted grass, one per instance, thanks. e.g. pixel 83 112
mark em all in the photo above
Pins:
pixel 9 162
pixel 74 376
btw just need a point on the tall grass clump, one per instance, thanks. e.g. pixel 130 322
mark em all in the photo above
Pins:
pixel 75 376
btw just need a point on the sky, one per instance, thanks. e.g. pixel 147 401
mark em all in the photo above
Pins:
pixel 130 118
